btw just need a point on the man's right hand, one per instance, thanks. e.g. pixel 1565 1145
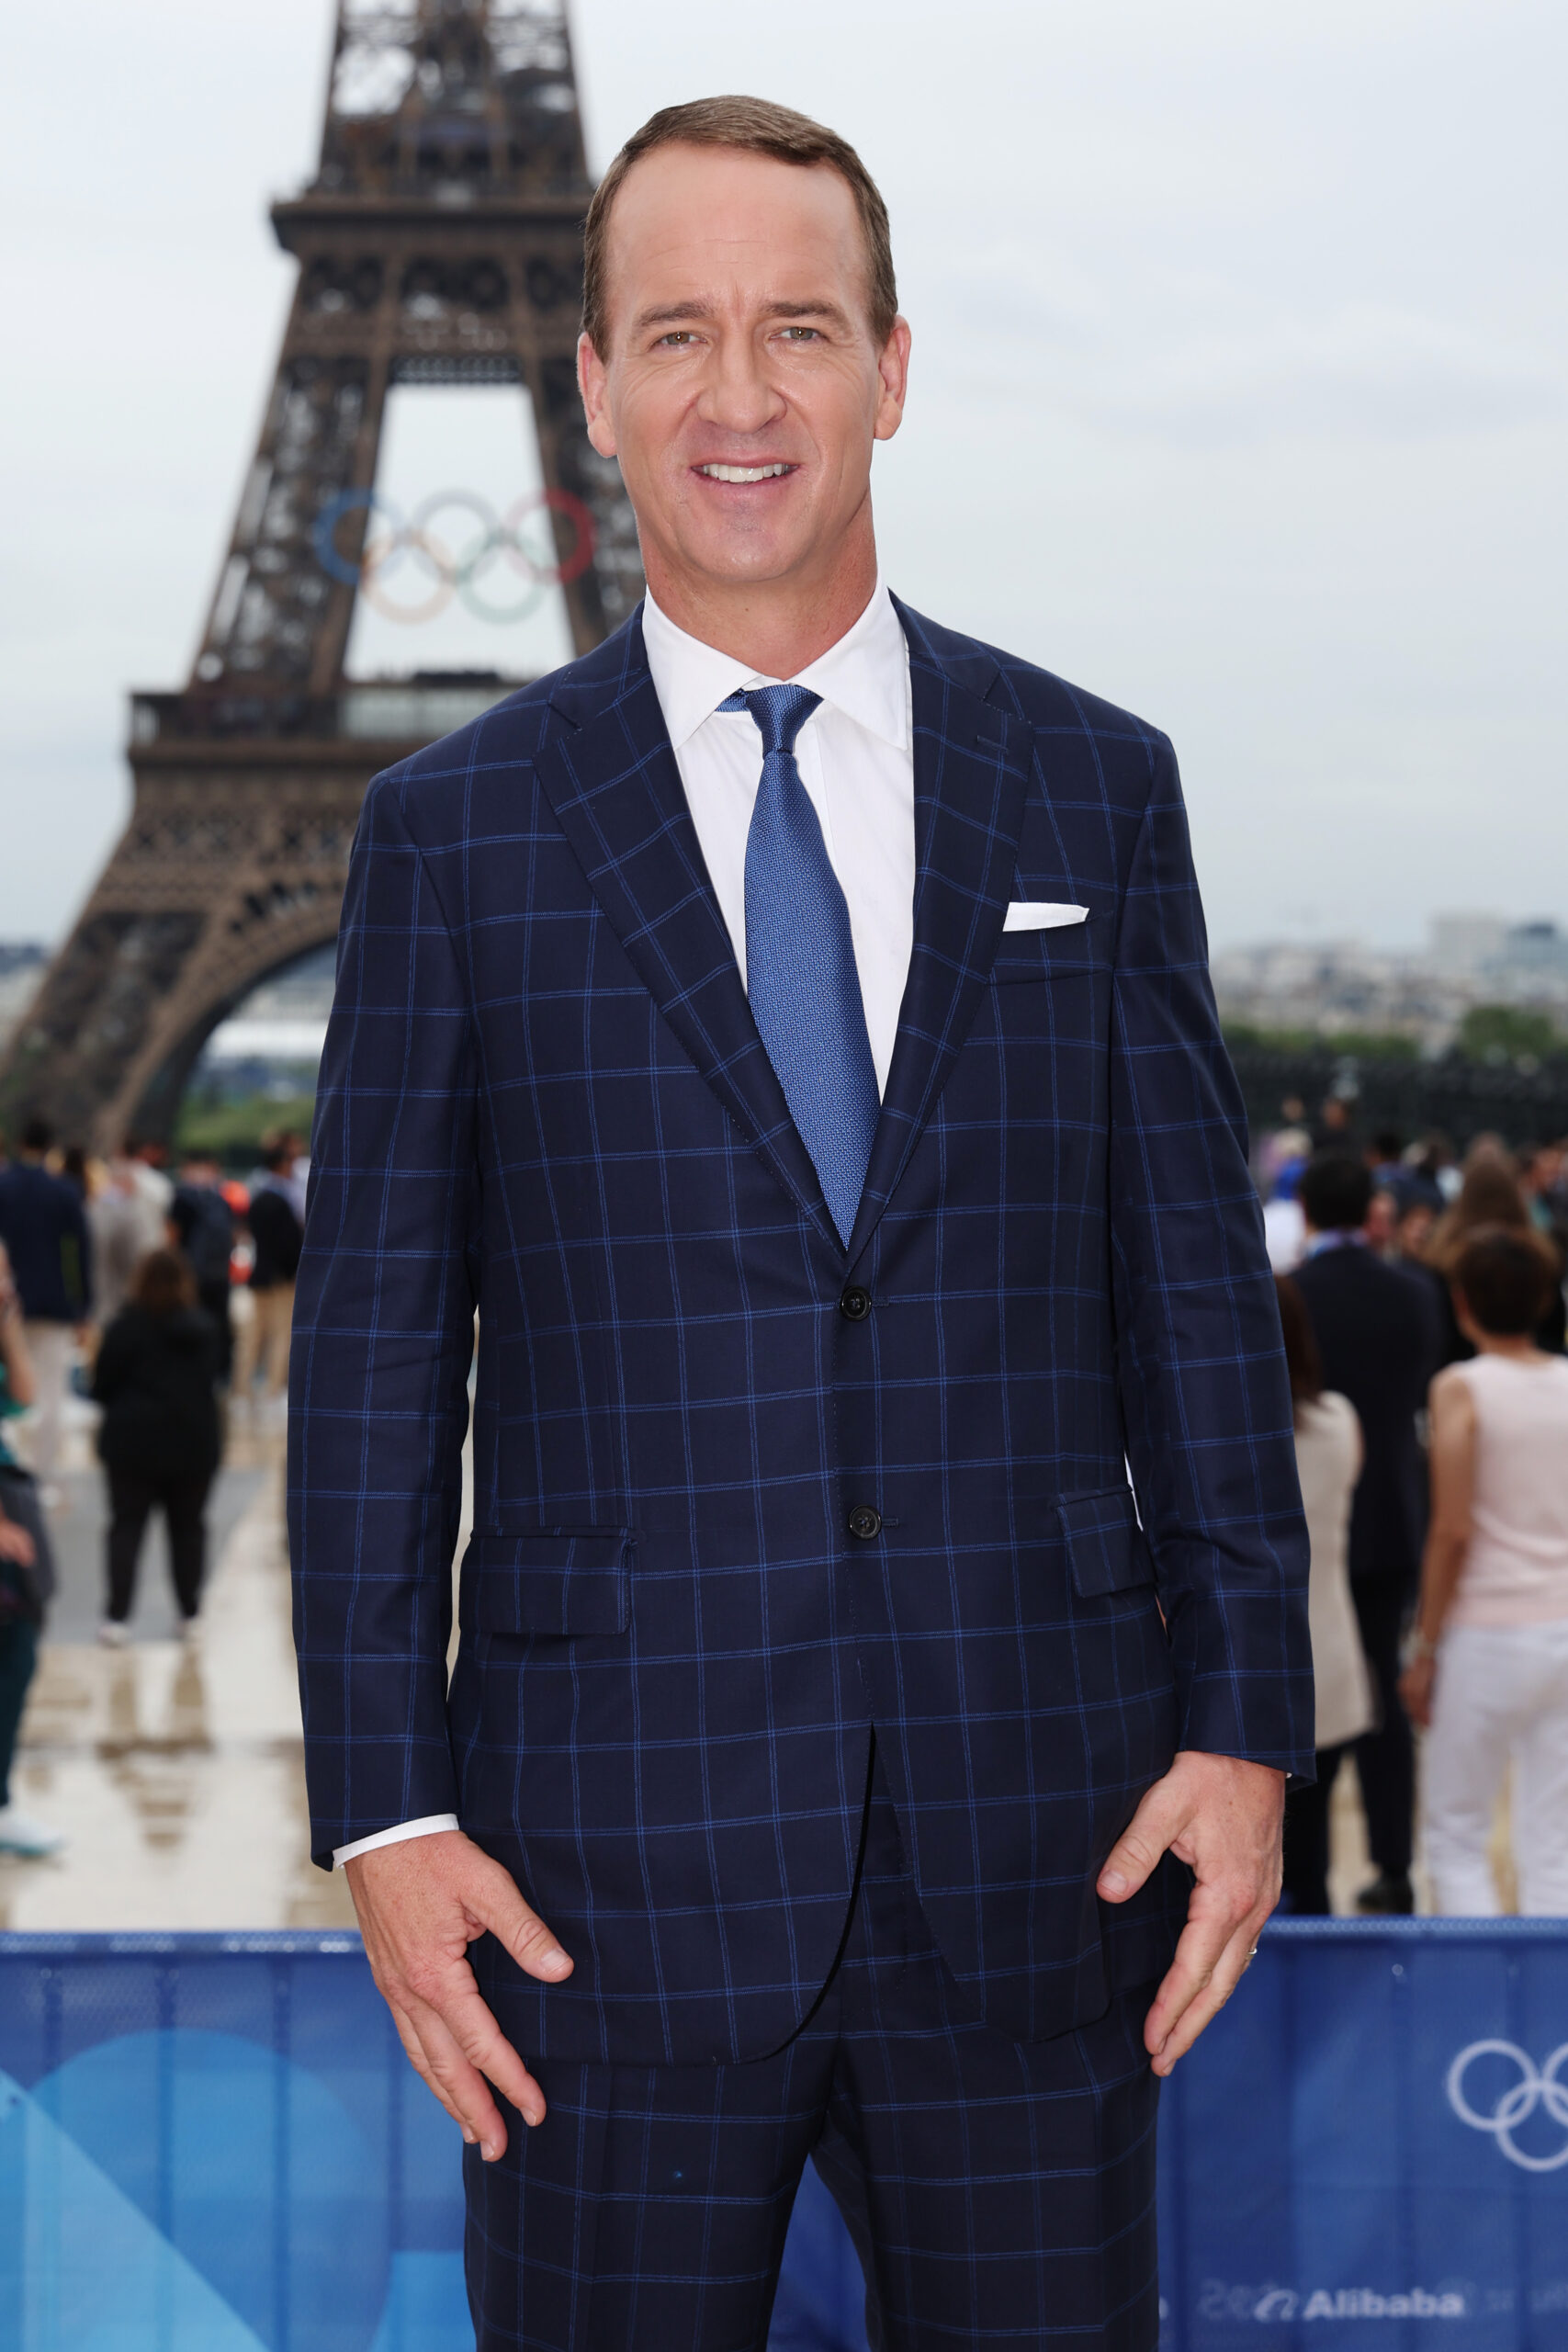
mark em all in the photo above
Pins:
pixel 421 1903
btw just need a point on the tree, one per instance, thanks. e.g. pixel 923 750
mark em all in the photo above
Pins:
pixel 1497 1033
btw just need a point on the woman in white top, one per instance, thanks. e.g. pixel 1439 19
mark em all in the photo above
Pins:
pixel 1489 1656
pixel 1328 1463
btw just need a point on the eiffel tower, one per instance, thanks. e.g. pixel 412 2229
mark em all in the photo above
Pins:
pixel 440 242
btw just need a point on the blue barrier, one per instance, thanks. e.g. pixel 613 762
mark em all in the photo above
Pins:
pixel 213 2143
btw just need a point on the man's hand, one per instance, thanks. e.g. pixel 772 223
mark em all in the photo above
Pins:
pixel 1226 1818
pixel 421 1903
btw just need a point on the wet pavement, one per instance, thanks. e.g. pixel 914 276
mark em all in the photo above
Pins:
pixel 176 1772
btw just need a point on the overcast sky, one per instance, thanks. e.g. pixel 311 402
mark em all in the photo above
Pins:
pixel 1238 395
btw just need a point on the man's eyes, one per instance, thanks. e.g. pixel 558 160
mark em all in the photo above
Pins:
pixel 680 338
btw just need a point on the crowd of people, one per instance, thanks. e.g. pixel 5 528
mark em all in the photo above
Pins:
pixel 166 1300
pixel 1422 1302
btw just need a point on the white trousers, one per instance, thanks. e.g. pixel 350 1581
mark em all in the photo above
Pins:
pixel 1501 1696
pixel 52 1349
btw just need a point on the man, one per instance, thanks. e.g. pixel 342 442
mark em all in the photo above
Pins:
pixel 45 1231
pixel 789 1027
pixel 1377 1332
pixel 204 1224
pixel 277 1235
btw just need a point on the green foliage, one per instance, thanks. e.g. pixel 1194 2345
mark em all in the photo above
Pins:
pixel 1498 1033
pixel 232 1132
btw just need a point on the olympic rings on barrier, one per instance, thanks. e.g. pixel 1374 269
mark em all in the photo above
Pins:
pixel 1536 2087
pixel 395 539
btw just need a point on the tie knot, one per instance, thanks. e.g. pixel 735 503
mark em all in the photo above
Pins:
pixel 779 712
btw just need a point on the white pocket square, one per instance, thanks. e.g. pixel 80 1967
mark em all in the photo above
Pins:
pixel 1041 914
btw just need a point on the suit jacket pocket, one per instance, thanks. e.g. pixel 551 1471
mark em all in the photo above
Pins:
pixel 570 1581
pixel 1105 1544
pixel 1055 952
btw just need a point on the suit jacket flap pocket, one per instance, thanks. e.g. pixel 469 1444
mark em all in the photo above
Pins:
pixel 569 1582
pixel 1104 1542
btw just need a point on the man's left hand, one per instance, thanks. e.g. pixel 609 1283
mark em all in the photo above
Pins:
pixel 1226 1818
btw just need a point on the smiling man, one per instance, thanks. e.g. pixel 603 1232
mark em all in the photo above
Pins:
pixel 885 1623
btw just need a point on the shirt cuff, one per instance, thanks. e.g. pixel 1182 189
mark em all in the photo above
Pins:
pixel 426 1826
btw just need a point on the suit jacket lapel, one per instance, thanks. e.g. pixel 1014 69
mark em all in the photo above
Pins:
pixel 971 768
pixel 611 779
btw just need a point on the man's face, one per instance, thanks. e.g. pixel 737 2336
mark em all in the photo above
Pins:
pixel 741 346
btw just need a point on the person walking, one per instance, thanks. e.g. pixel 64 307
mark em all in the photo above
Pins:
pixel 1376 1329
pixel 1488 1669
pixel 159 1441
pixel 45 1228
pixel 203 1224
pixel 27 1575
pixel 1490 1196
pixel 277 1234
pixel 1328 1462
pixel 125 1221
pixel 789 1027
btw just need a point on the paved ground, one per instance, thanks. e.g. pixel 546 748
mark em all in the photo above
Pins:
pixel 176 1773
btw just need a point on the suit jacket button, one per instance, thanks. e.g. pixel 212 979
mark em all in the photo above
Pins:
pixel 855 1304
pixel 865 1522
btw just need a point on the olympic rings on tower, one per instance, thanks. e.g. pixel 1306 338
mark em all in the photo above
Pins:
pixel 389 541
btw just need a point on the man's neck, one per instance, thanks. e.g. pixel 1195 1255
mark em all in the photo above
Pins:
pixel 777 628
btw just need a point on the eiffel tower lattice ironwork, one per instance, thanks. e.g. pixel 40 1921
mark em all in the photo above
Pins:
pixel 440 242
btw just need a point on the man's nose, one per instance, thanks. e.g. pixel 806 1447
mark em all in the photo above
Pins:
pixel 737 395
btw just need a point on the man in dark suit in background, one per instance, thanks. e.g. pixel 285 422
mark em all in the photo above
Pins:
pixel 1377 1332
pixel 44 1227
pixel 789 1024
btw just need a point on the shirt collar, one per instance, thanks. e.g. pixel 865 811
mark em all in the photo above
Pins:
pixel 865 674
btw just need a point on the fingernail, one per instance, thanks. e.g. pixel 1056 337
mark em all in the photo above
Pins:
pixel 1112 1882
pixel 555 1961
pixel 469 2137
pixel 489 2152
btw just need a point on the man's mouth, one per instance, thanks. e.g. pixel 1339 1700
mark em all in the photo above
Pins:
pixel 744 473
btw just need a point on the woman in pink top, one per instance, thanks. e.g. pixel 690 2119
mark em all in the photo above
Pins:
pixel 1489 1655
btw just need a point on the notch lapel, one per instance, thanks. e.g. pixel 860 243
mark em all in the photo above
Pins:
pixel 972 762
pixel 611 779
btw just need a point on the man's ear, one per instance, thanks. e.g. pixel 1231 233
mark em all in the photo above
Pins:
pixel 593 382
pixel 892 366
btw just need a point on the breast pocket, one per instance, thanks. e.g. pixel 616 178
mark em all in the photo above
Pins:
pixel 1055 952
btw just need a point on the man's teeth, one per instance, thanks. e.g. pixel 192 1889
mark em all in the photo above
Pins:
pixel 741 473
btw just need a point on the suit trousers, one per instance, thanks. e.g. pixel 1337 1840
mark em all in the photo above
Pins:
pixel 1385 1759
pixel 997 2192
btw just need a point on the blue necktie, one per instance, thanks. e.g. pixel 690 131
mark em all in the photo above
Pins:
pixel 800 962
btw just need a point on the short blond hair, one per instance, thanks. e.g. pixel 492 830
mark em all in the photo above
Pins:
pixel 756 127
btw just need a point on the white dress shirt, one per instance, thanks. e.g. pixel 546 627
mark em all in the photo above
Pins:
pixel 857 762
pixel 856 756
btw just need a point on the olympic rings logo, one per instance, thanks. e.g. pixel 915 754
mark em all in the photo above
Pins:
pixel 436 572
pixel 1536 2088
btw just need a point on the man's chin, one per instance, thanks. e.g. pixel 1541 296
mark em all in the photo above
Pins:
pixel 743 559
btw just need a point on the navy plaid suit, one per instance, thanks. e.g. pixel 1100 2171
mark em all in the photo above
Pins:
pixel 543 1095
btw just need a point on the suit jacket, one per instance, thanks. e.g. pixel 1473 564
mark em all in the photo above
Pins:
pixel 45 1231
pixel 1378 1334
pixel 740 1494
